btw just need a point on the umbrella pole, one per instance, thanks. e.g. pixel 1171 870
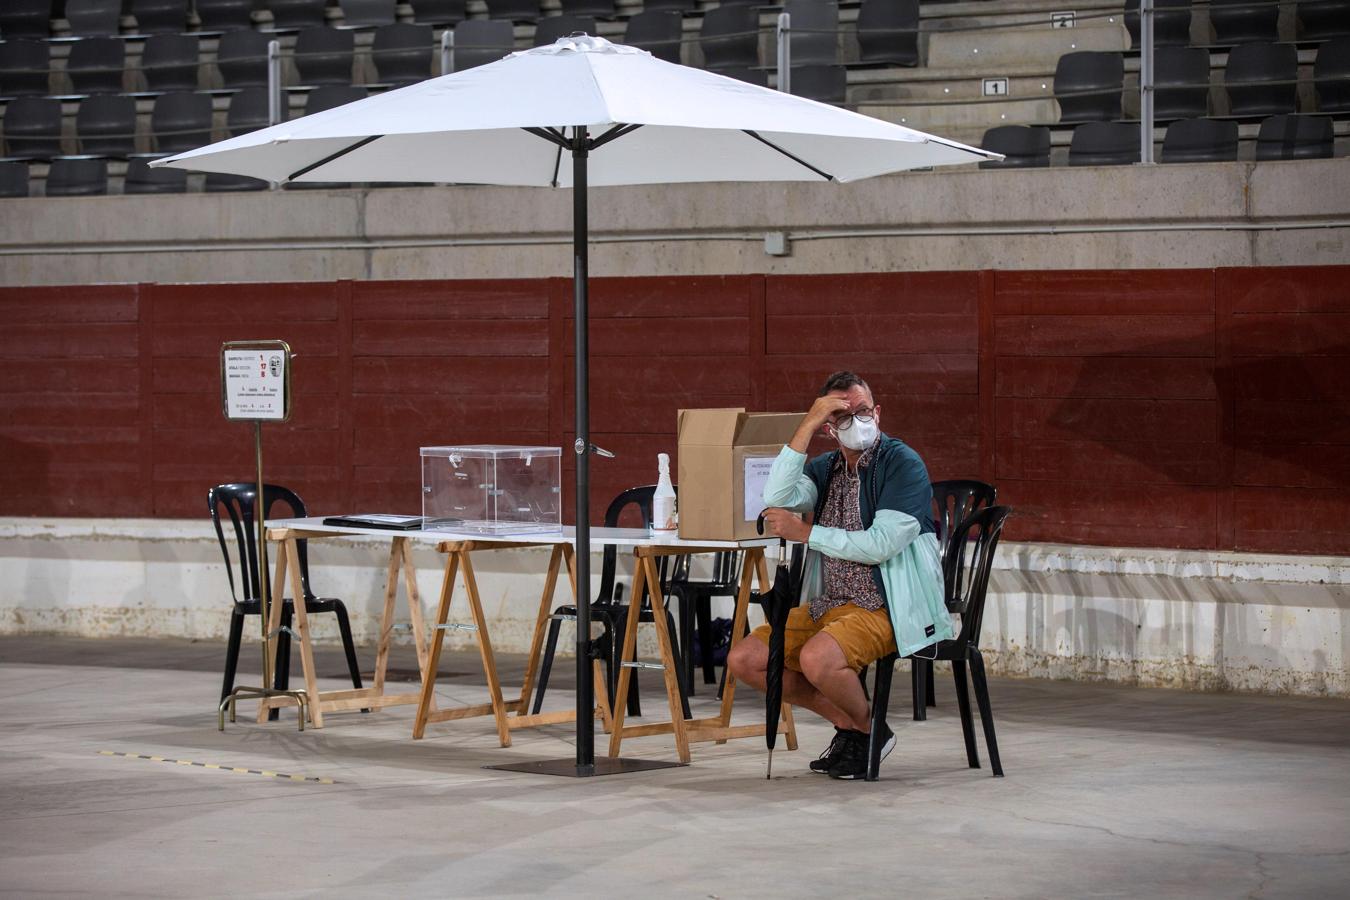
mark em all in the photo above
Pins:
pixel 580 277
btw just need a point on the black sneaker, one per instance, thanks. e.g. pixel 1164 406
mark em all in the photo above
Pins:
pixel 852 762
pixel 827 759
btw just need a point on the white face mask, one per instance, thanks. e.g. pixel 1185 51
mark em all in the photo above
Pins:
pixel 858 436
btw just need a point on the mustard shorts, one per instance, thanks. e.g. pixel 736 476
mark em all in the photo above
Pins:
pixel 864 635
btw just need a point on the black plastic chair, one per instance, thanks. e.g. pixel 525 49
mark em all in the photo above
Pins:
pixel 224 15
pixel 13 178
pixel 600 9
pixel 32 128
pixel 292 15
pixel 181 121
pixel 1023 147
pixel 1088 85
pixel 29 19
pixel 695 599
pixel 1296 137
pixel 160 16
pixel 658 31
pixel 1331 74
pixel 1320 20
pixel 106 125
pixel 1171 23
pixel 324 55
pixel 248 111
pixel 24 68
pixel 402 53
pixel 1104 144
pixel 815 32
pixel 523 11
pixel 481 41
pixel 1244 21
pixel 888 32
pixel 77 176
pixel 729 38
pixel 1261 79
pixel 1200 140
pixel 826 84
pixel 93 18
pixel 170 62
pixel 141 179
pixel 367 13
pixel 550 28
pixel 241 57
pixel 95 65
pixel 1181 83
pixel 438 12
pixel 237 501
pixel 969 594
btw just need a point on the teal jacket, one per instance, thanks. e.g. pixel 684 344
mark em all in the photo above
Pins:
pixel 898 539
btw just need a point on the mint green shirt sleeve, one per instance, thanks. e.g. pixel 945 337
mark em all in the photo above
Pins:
pixel 787 486
pixel 891 532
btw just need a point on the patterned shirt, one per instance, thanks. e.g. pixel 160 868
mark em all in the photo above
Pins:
pixel 846 581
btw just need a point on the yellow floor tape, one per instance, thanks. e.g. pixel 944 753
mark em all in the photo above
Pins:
pixel 202 765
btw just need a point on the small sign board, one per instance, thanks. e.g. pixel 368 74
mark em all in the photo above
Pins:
pixel 255 381
pixel 1062 20
pixel 995 87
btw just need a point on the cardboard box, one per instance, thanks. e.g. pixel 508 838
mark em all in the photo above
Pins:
pixel 725 456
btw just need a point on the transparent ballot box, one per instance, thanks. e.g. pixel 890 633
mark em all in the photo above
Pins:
pixel 492 489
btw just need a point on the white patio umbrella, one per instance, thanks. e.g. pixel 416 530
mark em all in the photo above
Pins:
pixel 623 117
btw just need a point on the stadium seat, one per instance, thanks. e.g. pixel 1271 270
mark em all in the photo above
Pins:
pixel 141 179
pixel 729 37
pixel 13 178
pixel 679 6
pixel 402 53
pixel 438 12
pixel 248 111
pixel 514 10
pixel 479 41
pixel 1088 86
pixel 324 55
pixel 106 125
pixel 95 65
pixel 1104 144
pixel 160 16
pixel 170 62
pixel 224 15
pixel 657 31
pixel 1200 140
pixel 181 121
pixel 1243 21
pixel 241 57
pixel 601 9
pixel 1295 137
pixel 367 13
pixel 888 32
pixel 1261 79
pixel 1331 74
pixel 550 28
pixel 331 95
pixel 827 84
pixel 1171 22
pixel 93 18
pixel 32 128
pixel 1023 146
pixel 29 19
pixel 77 176
pixel 1320 20
pixel 815 32
pixel 292 15
pixel 24 68
pixel 1181 83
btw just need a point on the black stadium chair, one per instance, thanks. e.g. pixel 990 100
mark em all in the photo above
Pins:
pixel 402 53
pixel 224 15
pixel 170 62
pixel 1104 144
pixel 729 37
pixel 324 55
pixel 1323 19
pixel 888 32
pixel 367 13
pixel 32 128
pixel 95 65
pixel 1200 140
pixel 77 176
pixel 30 19
pixel 13 178
pixel 679 6
pixel 1331 74
pixel 514 10
pixel 1261 79
pixel 1023 146
pixel 814 36
pixel 826 84
pixel 331 95
pixel 181 121
pixel 1171 22
pixel 93 18
pixel 292 15
pixel 550 28
pixel 1243 21
pixel 248 111
pixel 106 125
pixel 600 9
pixel 1181 83
pixel 241 57
pixel 24 68
pixel 1295 137
pixel 160 16
pixel 141 179
pixel 480 41
pixel 438 12
pixel 657 31
pixel 1088 86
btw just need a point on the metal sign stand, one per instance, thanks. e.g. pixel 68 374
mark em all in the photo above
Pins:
pixel 255 385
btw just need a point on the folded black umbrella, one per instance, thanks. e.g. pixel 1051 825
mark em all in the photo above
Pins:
pixel 780 600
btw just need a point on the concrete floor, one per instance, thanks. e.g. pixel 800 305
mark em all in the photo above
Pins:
pixel 1110 792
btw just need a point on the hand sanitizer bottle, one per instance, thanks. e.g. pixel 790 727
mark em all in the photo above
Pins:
pixel 663 500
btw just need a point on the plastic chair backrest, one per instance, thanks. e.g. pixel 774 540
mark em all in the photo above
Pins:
pixel 238 502
pixel 967 565
pixel 641 497
pixel 956 499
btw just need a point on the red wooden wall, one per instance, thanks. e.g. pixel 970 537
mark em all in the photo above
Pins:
pixel 1203 409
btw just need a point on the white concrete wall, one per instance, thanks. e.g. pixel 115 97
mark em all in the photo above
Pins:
pixel 1206 621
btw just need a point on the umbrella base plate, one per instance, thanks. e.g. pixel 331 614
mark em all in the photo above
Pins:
pixel 607 765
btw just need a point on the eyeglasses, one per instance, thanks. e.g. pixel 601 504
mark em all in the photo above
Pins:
pixel 845 422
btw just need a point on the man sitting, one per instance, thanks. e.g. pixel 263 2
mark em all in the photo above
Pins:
pixel 872 578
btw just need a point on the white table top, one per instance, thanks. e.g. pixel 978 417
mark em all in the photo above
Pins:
pixel 622 537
